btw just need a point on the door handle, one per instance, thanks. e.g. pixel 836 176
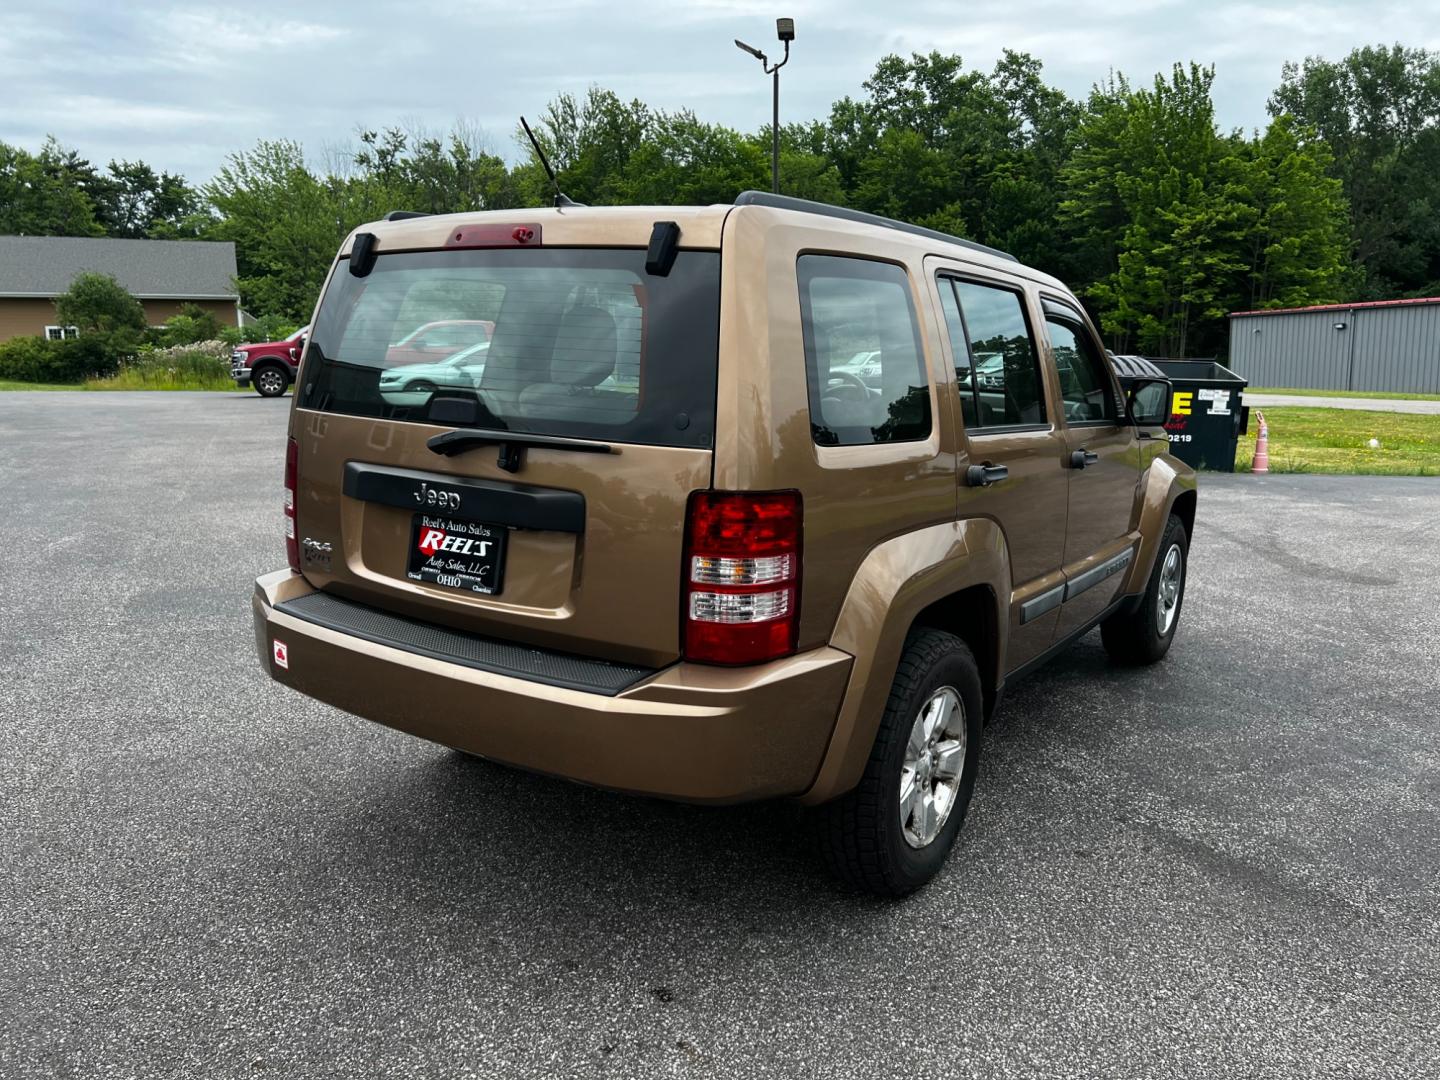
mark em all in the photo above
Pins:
pixel 985 475
pixel 1080 458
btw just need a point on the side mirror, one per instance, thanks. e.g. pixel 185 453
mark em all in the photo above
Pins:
pixel 1147 404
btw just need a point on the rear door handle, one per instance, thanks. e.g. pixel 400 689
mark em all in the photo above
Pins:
pixel 985 475
pixel 1080 458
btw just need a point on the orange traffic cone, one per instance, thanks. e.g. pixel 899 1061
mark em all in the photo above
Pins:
pixel 1261 464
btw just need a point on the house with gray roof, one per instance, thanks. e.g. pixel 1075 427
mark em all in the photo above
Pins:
pixel 163 275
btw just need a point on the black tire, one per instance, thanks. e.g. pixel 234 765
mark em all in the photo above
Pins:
pixel 270 381
pixel 862 836
pixel 1136 637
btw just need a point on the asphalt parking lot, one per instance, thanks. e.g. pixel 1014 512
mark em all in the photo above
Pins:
pixel 1227 865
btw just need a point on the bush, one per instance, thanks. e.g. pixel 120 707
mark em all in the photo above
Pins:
pixel 213 349
pixel 33 359
pixel 265 328
pixel 25 358
pixel 193 324
pixel 202 366
pixel 99 303
pixel 92 354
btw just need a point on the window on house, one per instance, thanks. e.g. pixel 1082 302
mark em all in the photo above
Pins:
pixel 60 333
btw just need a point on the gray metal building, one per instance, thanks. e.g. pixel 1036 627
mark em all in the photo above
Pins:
pixel 1385 345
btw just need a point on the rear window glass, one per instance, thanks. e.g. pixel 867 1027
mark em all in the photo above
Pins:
pixel 562 341
pixel 864 365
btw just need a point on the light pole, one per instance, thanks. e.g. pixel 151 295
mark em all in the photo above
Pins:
pixel 785 31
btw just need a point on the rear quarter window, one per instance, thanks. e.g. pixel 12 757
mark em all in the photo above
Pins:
pixel 865 369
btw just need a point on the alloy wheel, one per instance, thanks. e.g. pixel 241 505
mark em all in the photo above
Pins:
pixel 934 761
pixel 1167 602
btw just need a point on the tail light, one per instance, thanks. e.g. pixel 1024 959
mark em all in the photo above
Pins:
pixel 742 576
pixel 292 469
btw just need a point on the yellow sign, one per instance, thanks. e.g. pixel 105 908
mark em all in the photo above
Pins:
pixel 1180 404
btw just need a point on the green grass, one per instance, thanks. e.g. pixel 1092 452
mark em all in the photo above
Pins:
pixel 1337 441
pixel 153 380
pixel 1385 395
pixel 129 381
pixel 14 384
pixel 197 367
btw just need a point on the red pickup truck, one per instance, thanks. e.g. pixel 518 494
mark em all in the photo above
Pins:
pixel 270 365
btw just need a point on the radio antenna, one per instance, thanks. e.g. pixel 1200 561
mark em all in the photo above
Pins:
pixel 561 199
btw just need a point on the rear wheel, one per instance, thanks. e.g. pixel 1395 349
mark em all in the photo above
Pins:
pixel 1143 636
pixel 892 833
pixel 270 382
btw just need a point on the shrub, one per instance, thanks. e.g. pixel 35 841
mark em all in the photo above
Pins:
pixel 193 324
pixel 97 302
pixel 33 359
pixel 202 366
pixel 213 349
pixel 25 358
pixel 265 328
pixel 92 354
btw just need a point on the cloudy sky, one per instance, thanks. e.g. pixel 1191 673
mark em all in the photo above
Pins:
pixel 182 85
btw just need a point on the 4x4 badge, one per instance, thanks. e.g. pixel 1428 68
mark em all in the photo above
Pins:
pixel 317 553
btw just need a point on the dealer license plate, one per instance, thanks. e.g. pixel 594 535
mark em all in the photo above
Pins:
pixel 464 555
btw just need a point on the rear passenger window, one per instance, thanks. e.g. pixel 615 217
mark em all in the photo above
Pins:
pixel 864 365
pixel 1006 371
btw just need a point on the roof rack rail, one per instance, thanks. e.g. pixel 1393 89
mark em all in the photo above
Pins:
pixel 401 215
pixel 808 206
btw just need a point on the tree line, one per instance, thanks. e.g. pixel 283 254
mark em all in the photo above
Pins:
pixel 1161 220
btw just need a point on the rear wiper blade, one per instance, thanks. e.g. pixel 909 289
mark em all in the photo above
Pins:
pixel 513 444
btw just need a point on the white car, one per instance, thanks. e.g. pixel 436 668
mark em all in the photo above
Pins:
pixel 462 370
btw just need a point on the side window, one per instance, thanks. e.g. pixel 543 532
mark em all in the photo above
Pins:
pixel 1008 388
pixel 447 337
pixel 960 348
pixel 863 362
pixel 1084 382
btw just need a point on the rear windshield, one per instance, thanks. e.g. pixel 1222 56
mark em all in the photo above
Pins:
pixel 560 341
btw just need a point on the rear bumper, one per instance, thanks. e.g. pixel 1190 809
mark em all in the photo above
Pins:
pixel 688 732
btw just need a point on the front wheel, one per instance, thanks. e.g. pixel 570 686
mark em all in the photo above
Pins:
pixel 270 382
pixel 892 833
pixel 1143 636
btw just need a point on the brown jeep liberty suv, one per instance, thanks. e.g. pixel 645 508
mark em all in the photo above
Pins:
pixel 765 499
